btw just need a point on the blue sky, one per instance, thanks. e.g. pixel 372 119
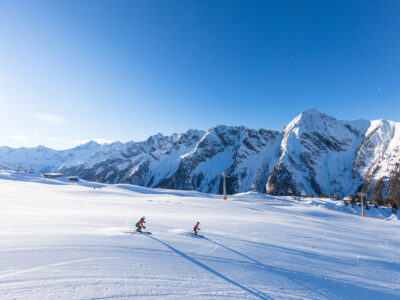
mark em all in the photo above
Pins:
pixel 124 70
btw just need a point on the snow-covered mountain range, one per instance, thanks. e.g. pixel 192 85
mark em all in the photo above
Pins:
pixel 315 153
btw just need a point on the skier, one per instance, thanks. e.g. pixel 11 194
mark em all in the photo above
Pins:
pixel 139 224
pixel 196 227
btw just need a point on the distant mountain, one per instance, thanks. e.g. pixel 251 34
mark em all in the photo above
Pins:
pixel 315 153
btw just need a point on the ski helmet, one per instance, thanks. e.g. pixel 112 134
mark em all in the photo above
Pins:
pixel 143 218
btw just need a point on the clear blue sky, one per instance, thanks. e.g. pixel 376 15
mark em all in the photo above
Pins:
pixel 123 70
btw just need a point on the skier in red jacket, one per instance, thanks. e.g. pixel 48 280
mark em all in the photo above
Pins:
pixel 196 227
pixel 140 225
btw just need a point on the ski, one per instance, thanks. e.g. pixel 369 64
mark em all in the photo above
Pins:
pixel 197 235
pixel 138 232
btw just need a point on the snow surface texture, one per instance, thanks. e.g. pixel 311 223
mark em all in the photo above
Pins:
pixel 315 153
pixel 63 240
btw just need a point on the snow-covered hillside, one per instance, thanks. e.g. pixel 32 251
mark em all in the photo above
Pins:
pixel 64 240
pixel 315 153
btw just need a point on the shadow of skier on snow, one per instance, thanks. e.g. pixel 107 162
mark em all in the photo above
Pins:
pixel 237 252
pixel 268 268
pixel 207 268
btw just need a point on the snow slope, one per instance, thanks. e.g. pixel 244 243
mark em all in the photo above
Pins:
pixel 63 240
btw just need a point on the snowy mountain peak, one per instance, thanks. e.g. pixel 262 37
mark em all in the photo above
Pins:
pixel 313 120
pixel 41 148
pixel 90 144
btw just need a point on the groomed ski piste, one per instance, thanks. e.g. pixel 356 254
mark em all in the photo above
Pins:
pixel 65 240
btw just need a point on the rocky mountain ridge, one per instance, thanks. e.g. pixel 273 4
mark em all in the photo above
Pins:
pixel 315 153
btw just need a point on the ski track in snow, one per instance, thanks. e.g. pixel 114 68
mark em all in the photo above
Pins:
pixel 68 241
pixel 51 265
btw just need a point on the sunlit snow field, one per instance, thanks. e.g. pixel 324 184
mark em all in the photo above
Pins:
pixel 64 240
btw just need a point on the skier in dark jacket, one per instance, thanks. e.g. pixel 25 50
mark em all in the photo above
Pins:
pixel 196 227
pixel 140 224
